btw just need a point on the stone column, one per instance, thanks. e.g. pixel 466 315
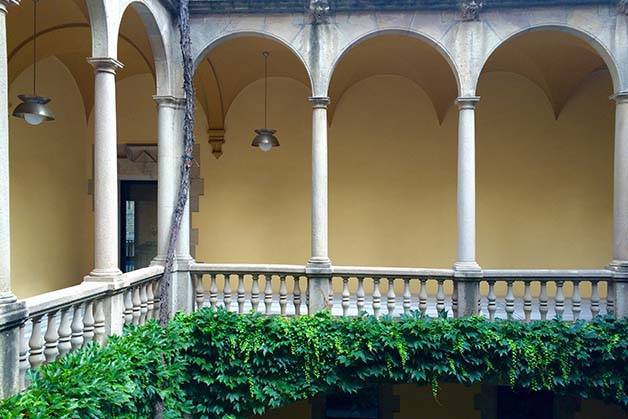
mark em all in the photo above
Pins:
pixel 319 265
pixel 168 170
pixel 170 152
pixel 620 206
pixel 12 312
pixel 466 268
pixel 106 243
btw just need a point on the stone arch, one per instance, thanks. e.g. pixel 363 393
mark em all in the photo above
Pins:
pixel 423 37
pixel 157 24
pixel 604 53
pixel 213 43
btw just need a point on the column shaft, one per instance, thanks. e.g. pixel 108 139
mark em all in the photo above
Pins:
pixel 466 185
pixel 319 265
pixel 6 296
pixel 105 169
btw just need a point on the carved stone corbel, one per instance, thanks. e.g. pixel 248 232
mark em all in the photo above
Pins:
pixel 319 10
pixel 216 139
pixel 470 9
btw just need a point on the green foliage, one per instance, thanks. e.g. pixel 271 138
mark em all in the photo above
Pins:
pixel 223 365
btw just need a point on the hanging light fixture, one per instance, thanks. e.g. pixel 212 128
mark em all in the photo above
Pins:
pixel 33 108
pixel 265 138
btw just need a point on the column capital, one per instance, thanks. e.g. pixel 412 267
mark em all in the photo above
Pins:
pixel 467 102
pixel 620 97
pixel 319 102
pixel 169 101
pixel 105 64
pixel 4 4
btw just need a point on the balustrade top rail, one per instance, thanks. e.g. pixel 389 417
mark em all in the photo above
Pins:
pixel 383 272
pixel 242 268
pixel 88 290
pixel 546 274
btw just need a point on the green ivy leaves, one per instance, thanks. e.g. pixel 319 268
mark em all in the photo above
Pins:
pixel 216 364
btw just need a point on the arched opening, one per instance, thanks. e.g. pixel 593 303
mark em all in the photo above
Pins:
pixel 49 172
pixel 255 206
pixel 392 153
pixel 544 154
pixel 142 77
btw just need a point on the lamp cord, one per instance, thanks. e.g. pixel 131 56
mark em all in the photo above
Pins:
pixel 266 54
pixel 34 47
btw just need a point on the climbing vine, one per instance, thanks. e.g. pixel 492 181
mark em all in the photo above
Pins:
pixel 218 364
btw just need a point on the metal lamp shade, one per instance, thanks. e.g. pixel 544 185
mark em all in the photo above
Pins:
pixel 265 139
pixel 33 109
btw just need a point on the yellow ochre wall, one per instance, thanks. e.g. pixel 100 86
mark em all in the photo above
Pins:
pixel 544 186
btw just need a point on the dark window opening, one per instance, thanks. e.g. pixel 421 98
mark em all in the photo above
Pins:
pixel 363 405
pixel 522 404
pixel 138 224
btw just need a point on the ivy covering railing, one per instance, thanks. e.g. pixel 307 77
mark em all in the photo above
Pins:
pixel 218 364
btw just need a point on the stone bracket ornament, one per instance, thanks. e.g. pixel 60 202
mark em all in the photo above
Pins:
pixel 622 7
pixel 216 139
pixel 319 11
pixel 470 9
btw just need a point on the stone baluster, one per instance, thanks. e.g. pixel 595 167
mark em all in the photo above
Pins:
pixel 296 295
pixel 143 303
pixel 241 298
pixel 226 292
pixel 156 292
pixel 51 337
pixel 390 297
pixel 559 305
pixel 77 328
pixel 213 291
pixel 65 332
pixel 491 306
pixel 345 296
pixel 377 297
pixel 543 301
pixel 454 302
pixel 359 295
pixel 150 301
pixel 255 293
pixel 527 302
pixel 576 301
pixel 330 296
pixel 199 291
pixel 407 296
pixel 36 344
pixel 99 322
pixel 137 305
pixel 595 298
pixel 128 306
pixel 423 297
pixel 610 298
pixel 283 294
pixel 510 300
pixel 23 357
pixel 440 298
pixel 268 293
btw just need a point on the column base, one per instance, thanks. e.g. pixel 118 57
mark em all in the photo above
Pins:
pixel 12 315
pixel 467 269
pixel 318 265
pixel 103 275
pixel 619 268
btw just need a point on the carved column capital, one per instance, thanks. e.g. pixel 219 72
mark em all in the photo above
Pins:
pixel 105 64
pixel 319 102
pixel 169 101
pixel 4 4
pixel 622 7
pixel 467 102
pixel 470 9
pixel 621 97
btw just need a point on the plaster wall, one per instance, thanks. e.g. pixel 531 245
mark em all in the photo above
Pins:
pixel 544 186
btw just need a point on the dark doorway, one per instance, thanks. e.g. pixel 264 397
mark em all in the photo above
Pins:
pixel 523 404
pixel 138 224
